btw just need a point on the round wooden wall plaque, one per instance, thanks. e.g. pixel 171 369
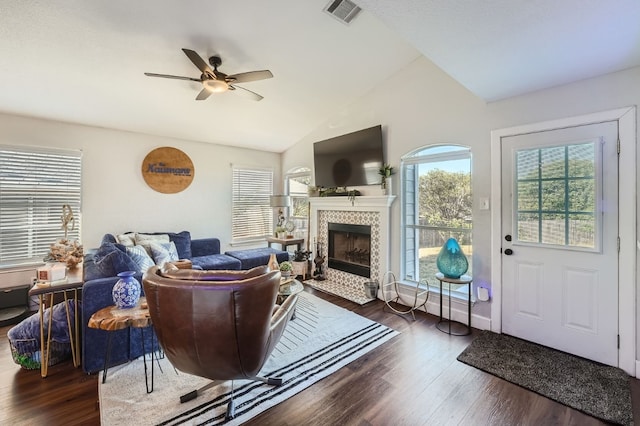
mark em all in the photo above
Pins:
pixel 167 170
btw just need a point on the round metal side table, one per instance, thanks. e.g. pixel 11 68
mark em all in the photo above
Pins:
pixel 444 324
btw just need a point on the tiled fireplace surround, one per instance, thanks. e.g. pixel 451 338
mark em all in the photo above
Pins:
pixel 365 210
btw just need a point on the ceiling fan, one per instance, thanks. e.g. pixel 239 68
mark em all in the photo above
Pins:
pixel 214 81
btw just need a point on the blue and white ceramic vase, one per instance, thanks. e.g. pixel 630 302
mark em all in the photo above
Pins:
pixel 451 260
pixel 126 292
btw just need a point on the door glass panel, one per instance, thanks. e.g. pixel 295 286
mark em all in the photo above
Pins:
pixel 553 195
pixel 556 195
pixel 581 160
pixel 528 195
pixel 553 227
pixel 581 231
pixel 528 227
pixel 552 162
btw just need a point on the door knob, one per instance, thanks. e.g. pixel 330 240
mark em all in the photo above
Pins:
pixel 508 252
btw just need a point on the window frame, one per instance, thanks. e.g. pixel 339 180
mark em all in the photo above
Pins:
pixel 414 158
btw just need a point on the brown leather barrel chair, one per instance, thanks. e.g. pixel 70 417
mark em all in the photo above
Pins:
pixel 222 325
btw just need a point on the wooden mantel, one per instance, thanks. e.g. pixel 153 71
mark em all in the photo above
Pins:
pixel 360 202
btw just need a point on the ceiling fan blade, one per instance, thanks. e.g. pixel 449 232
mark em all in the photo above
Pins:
pixel 244 77
pixel 198 61
pixel 246 92
pixel 204 94
pixel 175 77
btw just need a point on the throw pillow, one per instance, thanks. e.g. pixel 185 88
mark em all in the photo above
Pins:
pixel 104 249
pixel 115 262
pixel 128 239
pixel 182 240
pixel 145 239
pixel 140 256
pixel 108 238
pixel 163 252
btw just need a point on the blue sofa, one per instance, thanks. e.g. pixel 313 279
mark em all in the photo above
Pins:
pixel 100 270
pixel 250 258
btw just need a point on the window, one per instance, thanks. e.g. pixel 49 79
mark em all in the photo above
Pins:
pixel 436 206
pixel 251 214
pixel 297 183
pixel 34 185
pixel 555 200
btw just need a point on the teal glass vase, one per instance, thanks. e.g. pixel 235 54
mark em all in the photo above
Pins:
pixel 451 260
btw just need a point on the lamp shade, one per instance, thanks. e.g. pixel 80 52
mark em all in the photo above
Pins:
pixel 280 201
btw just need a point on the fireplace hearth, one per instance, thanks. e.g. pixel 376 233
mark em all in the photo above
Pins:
pixel 350 248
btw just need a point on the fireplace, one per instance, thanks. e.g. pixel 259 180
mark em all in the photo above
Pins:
pixel 371 216
pixel 350 248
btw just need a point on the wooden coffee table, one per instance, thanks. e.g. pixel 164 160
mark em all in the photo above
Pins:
pixel 113 318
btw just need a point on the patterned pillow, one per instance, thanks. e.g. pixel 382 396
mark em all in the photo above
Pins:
pixel 145 239
pixel 115 262
pixel 128 239
pixel 163 252
pixel 140 256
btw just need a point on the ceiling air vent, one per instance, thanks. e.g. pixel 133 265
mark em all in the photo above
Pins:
pixel 343 10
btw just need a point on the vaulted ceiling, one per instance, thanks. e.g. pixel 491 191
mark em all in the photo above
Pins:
pixel 83 61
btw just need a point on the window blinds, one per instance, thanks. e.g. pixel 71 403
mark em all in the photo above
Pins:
pixel 34 185
pixel 252 217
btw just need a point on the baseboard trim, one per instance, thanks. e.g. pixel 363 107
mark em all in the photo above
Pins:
pixel 458 307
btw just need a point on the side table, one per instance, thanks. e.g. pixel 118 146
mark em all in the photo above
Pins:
pixel 465 280
pixel 113 318
pixel 68 287
pixel 286 242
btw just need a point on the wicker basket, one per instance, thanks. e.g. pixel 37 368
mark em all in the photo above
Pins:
pixel 26 353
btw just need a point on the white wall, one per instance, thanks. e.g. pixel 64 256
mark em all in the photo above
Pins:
pixel 421 105
pixel 115 198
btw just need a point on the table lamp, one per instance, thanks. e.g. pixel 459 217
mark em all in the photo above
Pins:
pixel 280 201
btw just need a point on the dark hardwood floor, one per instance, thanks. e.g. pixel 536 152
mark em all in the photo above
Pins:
pixel 414 379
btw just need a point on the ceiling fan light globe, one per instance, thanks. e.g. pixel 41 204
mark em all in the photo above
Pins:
pixel 216 86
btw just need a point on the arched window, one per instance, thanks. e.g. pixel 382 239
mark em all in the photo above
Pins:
pixel 436 205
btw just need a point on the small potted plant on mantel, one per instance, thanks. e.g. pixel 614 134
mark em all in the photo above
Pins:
pixel 386 171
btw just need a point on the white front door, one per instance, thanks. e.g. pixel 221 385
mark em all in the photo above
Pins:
pixel 560 239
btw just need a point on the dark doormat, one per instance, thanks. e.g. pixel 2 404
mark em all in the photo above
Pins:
pixel 593 388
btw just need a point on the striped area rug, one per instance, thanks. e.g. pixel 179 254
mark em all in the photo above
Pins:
pixel 320 340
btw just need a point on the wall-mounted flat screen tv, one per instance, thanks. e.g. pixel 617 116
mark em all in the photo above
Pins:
pixel 353 159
